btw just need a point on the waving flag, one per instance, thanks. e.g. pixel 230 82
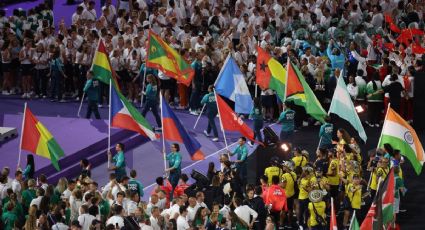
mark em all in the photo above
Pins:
pixel 101 66
pixel 270 73
pixel 125 116
pixel 166 59
pixel 354 225
pixel 343 106
pixel 230 121
pixel 173 130
pixel 301 94
pixel 402 136
pixel 38 140
pixel 381 212
pixel 231 84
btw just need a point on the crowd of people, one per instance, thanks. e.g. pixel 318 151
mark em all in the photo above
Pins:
pixel 323 38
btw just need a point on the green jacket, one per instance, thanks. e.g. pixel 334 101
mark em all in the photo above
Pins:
pixel 92 90
pixel 375 97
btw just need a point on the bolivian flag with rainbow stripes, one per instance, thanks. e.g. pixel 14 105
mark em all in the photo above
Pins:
pixel 38 140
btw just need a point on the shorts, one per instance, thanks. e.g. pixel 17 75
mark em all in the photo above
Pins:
pixel 124 75
pixel 290 202
pixel 166 84
pixel 26 69
pixel 5 67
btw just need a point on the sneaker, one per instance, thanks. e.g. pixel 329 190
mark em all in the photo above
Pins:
pixel 317 123
pixel 215 139
pixel 62 101
pixel 36 96
pixel 44 96
pixel 52 100
pixel 206 133
pixel 377 125
pixel 100 106
pixel 370 124
pixel 158 129
pixel 305 123
pixel 77 98
pixel 180 107
pixel 24 95
pixel 251 144
pixel 194 113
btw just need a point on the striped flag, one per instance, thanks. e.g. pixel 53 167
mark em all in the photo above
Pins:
pixel 403 137
pixel 38 140
pixel 101 65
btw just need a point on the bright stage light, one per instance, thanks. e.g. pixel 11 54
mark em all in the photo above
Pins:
pixel 284 147
pixel 359 109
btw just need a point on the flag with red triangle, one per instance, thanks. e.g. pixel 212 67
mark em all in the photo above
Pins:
pixel 381 212
pixel 230 121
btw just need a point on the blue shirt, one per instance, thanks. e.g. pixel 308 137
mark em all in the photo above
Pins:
pixel 92 89
pixel 336 61
pixel 287 119
pixel 241 152
pixel 174 160
pixel 325 133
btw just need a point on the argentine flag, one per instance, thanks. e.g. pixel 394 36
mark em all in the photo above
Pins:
pixel 231 83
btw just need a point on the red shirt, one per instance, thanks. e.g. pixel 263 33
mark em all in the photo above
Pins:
pixel 276 196
pixel 179 190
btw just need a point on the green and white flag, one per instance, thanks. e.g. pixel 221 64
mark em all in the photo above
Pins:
pixel 354 225
pixel 343 106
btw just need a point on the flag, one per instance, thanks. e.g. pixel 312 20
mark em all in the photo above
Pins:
pixel 301 94
pixel 333 225
pixel 231 83
pixel 417 48
pixel 402 136
pixel 354 225
pixel 166 59
pixel 173 130
pixel 394 28
pixel 38 140
pixel 381 212
pixel 270 73
pixel 230 121
pixel 101 66
pixel 342 105
pixel 388 18
pixel 125 116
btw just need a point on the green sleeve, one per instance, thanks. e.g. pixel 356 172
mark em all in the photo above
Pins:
pixel 26 171
pixel 120 160
pixel 322 130
pixel 281 117
pixel 244 154
pixel 204 99
pixel 177 161
pixel 87 85
pixel 140 188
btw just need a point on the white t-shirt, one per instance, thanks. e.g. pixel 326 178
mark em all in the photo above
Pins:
pixel 116 220
pixel 85 221
pixel 182 223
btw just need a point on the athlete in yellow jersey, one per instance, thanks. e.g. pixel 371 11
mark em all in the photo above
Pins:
pixel 299 159
pixel 273 170
pixel 316 208
pixel 305 185
pixel 288 182
pixel 332 174
pixel 353 199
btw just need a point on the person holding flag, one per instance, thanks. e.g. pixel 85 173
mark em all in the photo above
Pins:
pixel 174 163
pixel 211 104
pixel 91 88
pixel 152 99
pixel 242 159
pixel 257 117
pixel 325 134
pixel 119 161
pixel 287 119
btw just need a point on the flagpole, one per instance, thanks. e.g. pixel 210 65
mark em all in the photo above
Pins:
pixel 109 123
pixel 22 132
pixel 81 104
pixel 146 60
pixel 163 130
pixel 200 114
pixel 352 219
pixel 379 142
pixel 221 123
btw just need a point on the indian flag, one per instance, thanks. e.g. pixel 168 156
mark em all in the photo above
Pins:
pixel 37 139
pixel 402 136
